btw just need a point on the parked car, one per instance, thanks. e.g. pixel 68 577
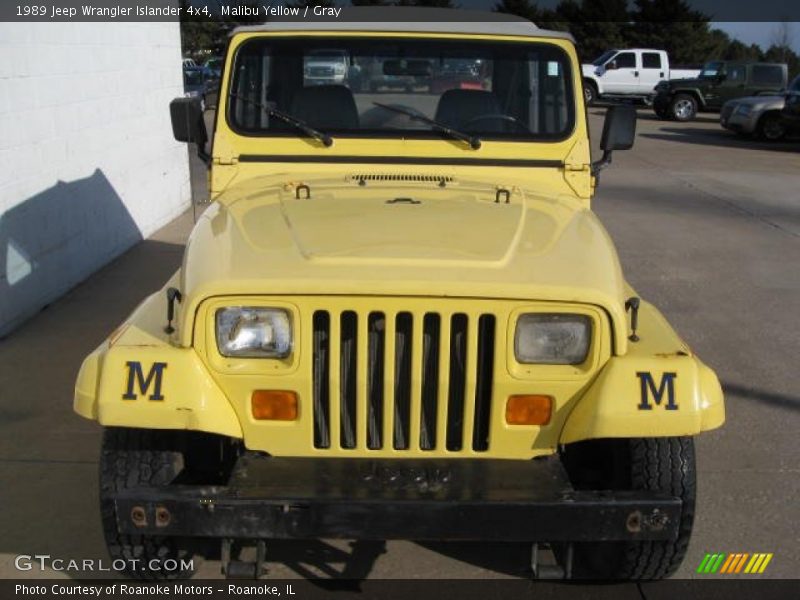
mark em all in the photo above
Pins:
pixel 759 116
pixel 791 109
pixel 630 73
pixel 325 67
pixel 718 82
pixel 213 66
pixel 197 83
pixel 463 74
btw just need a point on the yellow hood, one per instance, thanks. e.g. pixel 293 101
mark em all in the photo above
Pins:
pixel 462 239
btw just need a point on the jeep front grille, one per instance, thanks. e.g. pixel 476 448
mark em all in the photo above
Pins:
pixel 427 383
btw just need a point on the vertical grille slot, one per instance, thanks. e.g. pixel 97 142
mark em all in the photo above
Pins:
pixel 322 397
pixel 458 382
pixel 402 380
pixel 484 381
pixel 431 327
pixel 347 385
pixel 376 326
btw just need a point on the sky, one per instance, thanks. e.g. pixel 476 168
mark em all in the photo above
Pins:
pixel 758 33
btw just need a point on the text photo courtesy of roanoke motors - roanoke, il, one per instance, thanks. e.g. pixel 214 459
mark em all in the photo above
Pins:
pixel 399 298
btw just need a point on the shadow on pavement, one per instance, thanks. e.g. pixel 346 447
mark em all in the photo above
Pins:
pixel 692 135
pixel 771 398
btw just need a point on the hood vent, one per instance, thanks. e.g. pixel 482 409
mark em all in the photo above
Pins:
pixel 364 178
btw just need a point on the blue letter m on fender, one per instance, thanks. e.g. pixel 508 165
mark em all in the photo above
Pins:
pixel 667 386
pixel 136 376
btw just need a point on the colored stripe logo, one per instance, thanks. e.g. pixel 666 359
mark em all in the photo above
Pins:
pixel 734 563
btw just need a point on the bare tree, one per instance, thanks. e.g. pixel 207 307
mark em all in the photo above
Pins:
pixel 782 39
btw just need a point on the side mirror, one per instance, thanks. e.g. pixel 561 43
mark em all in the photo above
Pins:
pixel 188 124
pixel 619 131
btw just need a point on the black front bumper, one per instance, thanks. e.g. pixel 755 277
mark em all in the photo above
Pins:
pixel 510 500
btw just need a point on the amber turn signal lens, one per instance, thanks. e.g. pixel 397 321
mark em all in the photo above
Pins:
pixel 529 410
pixel 274 405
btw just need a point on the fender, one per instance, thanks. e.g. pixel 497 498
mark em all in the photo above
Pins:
pixel 701 99
pixel 657 389
pixel 138 378
pixel 597 84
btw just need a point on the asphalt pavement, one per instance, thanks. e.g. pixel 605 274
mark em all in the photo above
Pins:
pixel 708 228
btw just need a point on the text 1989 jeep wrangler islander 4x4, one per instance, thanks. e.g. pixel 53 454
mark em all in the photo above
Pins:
pixel 394 304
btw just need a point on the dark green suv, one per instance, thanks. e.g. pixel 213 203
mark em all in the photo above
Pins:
pixel 718 82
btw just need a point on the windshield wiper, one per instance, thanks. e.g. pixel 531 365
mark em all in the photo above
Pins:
pixel 473 141
pixel 299 124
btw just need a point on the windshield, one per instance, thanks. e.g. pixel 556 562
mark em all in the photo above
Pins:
pixel 506 91
pixel 601 60
pixel 711 69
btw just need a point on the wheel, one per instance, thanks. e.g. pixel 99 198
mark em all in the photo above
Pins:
pixel 144 457
pixel 771 128
pixel 657 464
pixel 683 107
pixel 589 92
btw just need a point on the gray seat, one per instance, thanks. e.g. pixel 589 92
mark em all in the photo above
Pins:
pixel 326 107
pixel 457 108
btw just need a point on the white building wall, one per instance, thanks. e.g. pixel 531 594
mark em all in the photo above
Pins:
pixel 88 165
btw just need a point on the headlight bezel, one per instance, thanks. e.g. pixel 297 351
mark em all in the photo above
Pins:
pixel 599 344
pixel 570 324
pixel 280 325
pixel 205 338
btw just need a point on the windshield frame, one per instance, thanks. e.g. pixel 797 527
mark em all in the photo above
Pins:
pixel 604 58
pixel 573 112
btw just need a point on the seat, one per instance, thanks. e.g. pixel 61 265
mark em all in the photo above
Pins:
pixel 326 107
pixel 458 107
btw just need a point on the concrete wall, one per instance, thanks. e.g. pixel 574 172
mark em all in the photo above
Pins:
pixel 88 166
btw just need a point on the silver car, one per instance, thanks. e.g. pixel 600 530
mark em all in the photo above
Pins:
pixel 759 116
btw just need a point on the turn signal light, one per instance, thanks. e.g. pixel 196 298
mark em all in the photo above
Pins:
pixel 529 410
pixel 274 405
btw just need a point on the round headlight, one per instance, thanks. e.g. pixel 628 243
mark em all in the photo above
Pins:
pixel 254 332
pixel 556 339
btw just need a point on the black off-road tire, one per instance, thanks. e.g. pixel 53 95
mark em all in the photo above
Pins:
pixel 144 457
pixel 683 107
pixel 657 464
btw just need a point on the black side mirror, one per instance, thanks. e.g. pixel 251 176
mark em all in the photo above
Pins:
pixel 188 124
pixel 619 131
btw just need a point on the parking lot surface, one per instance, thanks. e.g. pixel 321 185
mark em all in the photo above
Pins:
pixel 708 228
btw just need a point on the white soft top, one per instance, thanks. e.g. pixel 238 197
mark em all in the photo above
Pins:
pixel 413 20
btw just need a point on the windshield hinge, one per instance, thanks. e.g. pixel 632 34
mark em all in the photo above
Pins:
pixel 225 160
pixel 576 167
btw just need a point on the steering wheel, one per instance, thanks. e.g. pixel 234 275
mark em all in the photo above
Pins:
pixel 500 117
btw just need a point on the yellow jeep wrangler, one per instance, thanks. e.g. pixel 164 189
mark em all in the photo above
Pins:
pixel 400 319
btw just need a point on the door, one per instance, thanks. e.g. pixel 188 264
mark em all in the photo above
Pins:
pixel 653 70
pixel 765 79
pixel 620 74
pixel 732 86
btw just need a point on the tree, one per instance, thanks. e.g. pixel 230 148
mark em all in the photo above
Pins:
pixel 782 41
pixel 526 9
pixel 673 26
pixel 596 25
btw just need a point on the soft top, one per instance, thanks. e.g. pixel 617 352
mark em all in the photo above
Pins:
pixel 411 19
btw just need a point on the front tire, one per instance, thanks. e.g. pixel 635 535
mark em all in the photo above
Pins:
pixel 146 457
pixel 655 464
pixel 771 128
pixel 683 107
pixel 589 93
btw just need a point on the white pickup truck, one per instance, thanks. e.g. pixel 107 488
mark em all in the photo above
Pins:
pixel 629 73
